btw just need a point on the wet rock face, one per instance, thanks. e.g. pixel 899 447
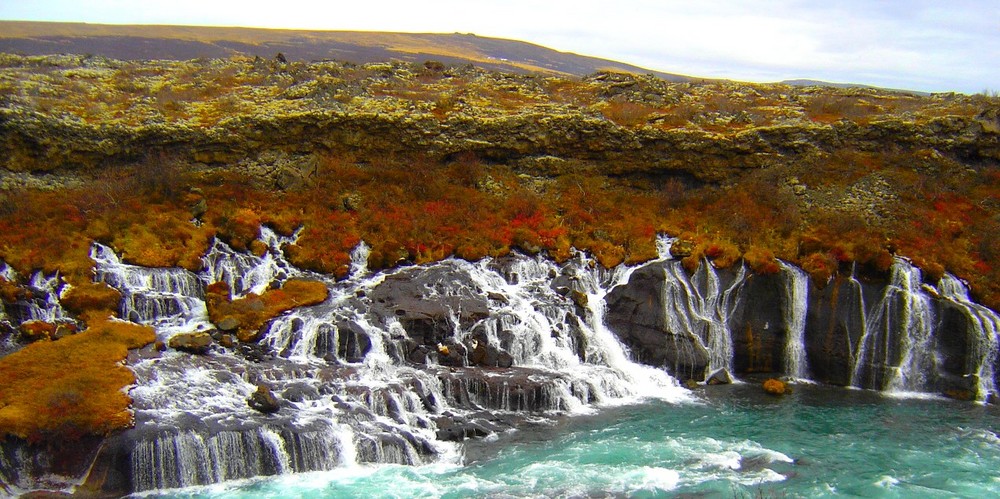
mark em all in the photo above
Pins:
pixel 882 332
pixel 263 400
pixel 636 314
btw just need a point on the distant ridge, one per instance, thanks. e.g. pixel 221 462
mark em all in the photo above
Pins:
pixel 819 83
pixel 133 42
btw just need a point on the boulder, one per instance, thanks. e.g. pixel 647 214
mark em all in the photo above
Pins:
pixel 197 343
pixel 720 377
pixel 228 324
pixel 263 400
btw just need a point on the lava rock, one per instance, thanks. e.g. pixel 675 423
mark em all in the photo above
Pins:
pixel 197 343
pixel 263 400
pixel 228 324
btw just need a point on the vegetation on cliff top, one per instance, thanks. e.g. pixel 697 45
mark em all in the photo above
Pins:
pixel 884 182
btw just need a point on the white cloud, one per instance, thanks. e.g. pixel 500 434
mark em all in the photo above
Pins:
pixel 919 44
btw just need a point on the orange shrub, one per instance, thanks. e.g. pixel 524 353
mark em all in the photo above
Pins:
pixel 91 296
pixel 248 314
pixel 61 390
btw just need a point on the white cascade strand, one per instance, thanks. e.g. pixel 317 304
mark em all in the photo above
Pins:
pixel 793 310
pixel 170 299
pixel 895 345
pixel 700 308
pixel 245 273
pixel 982 334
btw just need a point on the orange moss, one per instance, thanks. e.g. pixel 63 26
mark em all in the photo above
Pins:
pixel 761 260
pixel 248 314
pixel 774 386
pixel 722 253
pixel 820 267
pixel 61 390
pixel 165 239
pixel 92 296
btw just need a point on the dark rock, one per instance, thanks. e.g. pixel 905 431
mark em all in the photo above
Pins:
pixel 452 354
pixel 456 429
pixel 505 360
pixel 196 343
pixel 227 340
pixel 691 384
pixel 263 400
pixel 299 392
pixel 636 315
pixel 200 208
pixel 497 297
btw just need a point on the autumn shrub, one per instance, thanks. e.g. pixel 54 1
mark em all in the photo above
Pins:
pixel 820 267
pixel 629 114
pixel 761 260
pixel 825 108
pixel 248 314
pixel 91 296
pixel 61 390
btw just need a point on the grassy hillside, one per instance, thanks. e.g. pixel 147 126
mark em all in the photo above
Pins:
pixel 133 42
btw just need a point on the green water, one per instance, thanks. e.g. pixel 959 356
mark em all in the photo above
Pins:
pixel 736 442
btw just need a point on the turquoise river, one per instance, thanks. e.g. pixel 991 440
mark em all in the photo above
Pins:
pixel 731 441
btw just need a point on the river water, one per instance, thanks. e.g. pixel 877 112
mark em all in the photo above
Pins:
pixel 732 441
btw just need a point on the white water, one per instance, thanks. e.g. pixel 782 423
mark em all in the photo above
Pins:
pixel 894 349
pixel 984 326
pixel 348 395
pixel 698 306
pixel 793 311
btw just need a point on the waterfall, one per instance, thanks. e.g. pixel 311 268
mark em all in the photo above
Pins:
pixel 700 307
pixel 984 326
pixel 894 352
pixel 246 273
pixel 171 299
pixel 793 311
pixel 379 373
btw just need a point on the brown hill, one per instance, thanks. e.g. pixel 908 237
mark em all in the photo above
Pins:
pixel 135 42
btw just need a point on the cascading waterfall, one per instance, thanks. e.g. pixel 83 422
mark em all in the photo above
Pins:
pixel 984 326
pixel 171 299
pixel 247 273
pixel 44 306
pixel 793 310
pixel 894 351
pixel 350 390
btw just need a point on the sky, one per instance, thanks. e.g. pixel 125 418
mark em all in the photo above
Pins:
pixel 926 45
